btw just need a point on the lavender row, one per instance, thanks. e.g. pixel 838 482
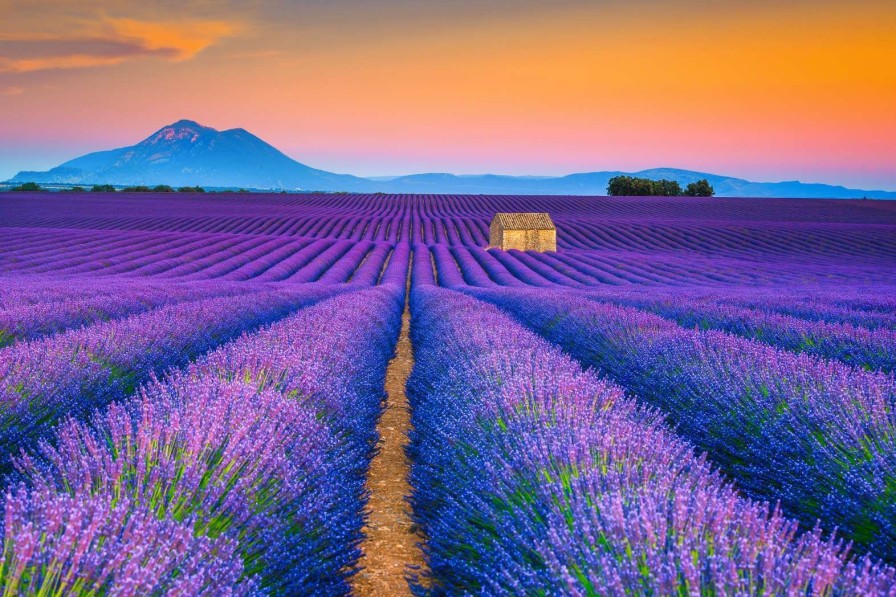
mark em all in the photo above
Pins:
pixel 30 321
pixel 224 257
pixel 861 306
pixel 532 476
pixel 817 435
pixel 270 214
pixel 396 271
pixel 67 374
pixel 853 311
pixel 20 291
pixel 857 346
pixel 857 299
pixel 735 227
pixel 252 460
pixel 263 258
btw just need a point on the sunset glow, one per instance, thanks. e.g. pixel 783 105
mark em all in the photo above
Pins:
pixel 763 90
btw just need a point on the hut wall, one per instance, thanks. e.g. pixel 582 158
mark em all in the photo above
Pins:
pixel 528 240
pixel 494 235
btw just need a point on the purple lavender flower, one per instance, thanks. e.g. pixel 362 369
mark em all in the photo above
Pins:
pixel 264 441
pixel 70 373
pixel 99 544
pixel 531 475
pixel 816 435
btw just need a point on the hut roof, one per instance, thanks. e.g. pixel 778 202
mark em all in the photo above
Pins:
pixel 525 221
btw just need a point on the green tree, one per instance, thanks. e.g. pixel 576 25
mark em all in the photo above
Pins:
pixel 642 187
pixel 137 189
pixel 668 188
pixel 102 188
pixel 701 188
pixel 196 189
pixel 162 188
pixel 619 185
pixel 27 187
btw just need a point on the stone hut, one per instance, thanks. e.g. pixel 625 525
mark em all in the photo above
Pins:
pixel 523 231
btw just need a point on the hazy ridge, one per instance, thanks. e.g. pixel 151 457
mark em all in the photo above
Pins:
pixel 187 153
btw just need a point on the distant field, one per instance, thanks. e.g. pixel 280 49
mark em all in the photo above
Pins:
pixel 690 395
pixel 601 240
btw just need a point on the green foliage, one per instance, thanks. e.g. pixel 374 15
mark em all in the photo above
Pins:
pixel 701 188
pixel 76 189
pixel 642 187
pixel 159 188
pixel 667 188
pixel 27 187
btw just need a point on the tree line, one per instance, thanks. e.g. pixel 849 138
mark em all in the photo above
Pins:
pixel 33 187
pixel 633 186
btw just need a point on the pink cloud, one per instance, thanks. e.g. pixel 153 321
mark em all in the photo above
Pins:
pixel 129 39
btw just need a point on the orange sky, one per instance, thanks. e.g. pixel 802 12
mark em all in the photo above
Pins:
pixel 766 90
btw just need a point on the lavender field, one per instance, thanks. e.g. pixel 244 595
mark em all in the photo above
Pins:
pixel 691 396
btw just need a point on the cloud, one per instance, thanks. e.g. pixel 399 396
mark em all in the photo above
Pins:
pixel 109 41
pixel 10 91
pixel 178 40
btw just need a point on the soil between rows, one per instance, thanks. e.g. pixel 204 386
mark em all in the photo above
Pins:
pixel 390 543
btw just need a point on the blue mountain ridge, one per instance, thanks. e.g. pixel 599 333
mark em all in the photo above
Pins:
pixel 187 153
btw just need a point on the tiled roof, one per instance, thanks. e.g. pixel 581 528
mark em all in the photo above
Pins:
pixel 525 221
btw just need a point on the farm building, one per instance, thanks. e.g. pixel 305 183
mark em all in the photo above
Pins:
pixel 523 231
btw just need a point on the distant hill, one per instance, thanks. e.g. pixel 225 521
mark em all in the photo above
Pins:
pixel 187 153
pixel 595 183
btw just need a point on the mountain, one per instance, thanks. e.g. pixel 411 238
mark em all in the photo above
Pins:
pixel 595 183
pixel 186 154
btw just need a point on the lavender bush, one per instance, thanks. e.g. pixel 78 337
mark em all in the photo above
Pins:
pixel 31 321
pixel 818 436
pixel 532 476
pixel 57 544
pixel 873 349
pixel 262 444
pixel 43 380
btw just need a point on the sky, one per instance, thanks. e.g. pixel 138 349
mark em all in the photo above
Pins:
pixel 762 89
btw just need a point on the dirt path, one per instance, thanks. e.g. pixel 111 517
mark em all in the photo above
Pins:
pixel 391 543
